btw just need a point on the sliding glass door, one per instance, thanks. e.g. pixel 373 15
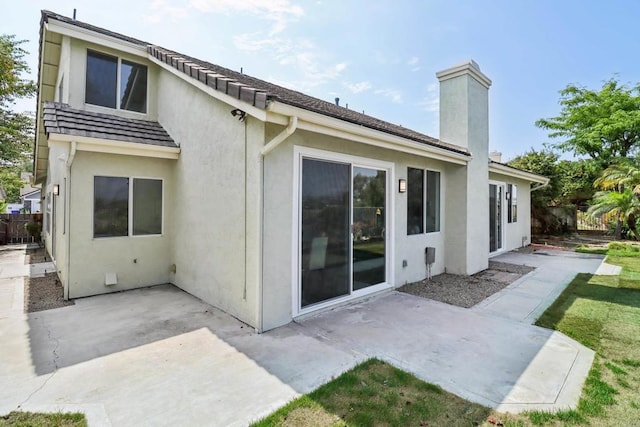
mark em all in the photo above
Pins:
pixel 343 225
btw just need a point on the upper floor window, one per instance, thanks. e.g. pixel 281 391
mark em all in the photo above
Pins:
pixel 115 83
pixel 423 201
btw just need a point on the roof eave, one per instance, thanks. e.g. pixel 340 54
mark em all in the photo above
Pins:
pixel 95 37
pixel 502 169
pixel 111 146
pixel 320 123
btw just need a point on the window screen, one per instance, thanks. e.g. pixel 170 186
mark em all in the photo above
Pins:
pixel 433 202
pixel 512 203
pixel 110 206
pixel 147 206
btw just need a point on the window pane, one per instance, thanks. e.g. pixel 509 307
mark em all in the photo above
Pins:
pixel 101 79
pixel 514 203
pixel 433 201
pixel 133 87
pixel 415 201
pixel 147 206
pixel 110 206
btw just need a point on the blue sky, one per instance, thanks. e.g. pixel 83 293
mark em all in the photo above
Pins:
pixel 382 56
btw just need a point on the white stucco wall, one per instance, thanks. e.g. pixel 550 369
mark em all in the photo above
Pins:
pixel 138 261
pixel 216 232
pixel 56 235
pixel 280 265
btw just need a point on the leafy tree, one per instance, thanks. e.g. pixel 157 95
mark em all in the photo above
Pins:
pixel 544 163
pixel 10 180
pixel 16 129
pixel 602 124
pixel 623 204
pixel 575 180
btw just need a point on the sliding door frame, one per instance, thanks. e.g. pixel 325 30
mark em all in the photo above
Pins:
pixel 300 153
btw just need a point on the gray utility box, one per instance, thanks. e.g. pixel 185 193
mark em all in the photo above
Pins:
pixel 429 255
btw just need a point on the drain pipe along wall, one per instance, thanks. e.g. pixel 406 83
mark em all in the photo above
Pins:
pixel 270 146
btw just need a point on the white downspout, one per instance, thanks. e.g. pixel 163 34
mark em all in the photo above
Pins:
pixel 67 202
pixel 277 140
pixel 541 186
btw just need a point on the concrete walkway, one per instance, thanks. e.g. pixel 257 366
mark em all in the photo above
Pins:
pixel 158 356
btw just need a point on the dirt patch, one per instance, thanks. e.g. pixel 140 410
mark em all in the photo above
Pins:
pixel 43 293
pixel 36 256
pixel 467 291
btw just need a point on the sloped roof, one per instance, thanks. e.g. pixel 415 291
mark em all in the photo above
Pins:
pixel 62 119
pixel 259 92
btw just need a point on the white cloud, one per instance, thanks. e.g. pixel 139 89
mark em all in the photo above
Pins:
pixel 279 12
pixel 393 94
pixel 159 9
pixel 300 55
pixel 358 87
pixel 413 60
pixel 431 101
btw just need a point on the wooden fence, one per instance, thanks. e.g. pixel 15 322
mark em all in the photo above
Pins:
pixel 13 228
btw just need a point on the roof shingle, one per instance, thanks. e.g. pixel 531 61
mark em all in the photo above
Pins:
pixel 62 119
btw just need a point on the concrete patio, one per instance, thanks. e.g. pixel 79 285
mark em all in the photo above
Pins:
pixel 159 356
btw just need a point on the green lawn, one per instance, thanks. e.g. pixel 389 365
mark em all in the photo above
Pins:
pixel 375 393
pixel 31 419
pixel 601 312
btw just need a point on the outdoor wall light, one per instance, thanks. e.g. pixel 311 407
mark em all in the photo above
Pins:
pixel 56 190
pixel 239 114
pixel 402 186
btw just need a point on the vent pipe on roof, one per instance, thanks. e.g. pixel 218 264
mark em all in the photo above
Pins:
pixel 338 102
pixel 74 13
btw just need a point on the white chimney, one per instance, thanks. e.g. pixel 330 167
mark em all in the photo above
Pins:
pixel 464 121
pixel 495 156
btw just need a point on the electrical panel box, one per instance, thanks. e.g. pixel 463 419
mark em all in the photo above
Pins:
pixel 429 255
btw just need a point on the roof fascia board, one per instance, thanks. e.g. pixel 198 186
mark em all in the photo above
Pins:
pixel 506 170
pixel 91 36
pixel 99 145
pixel 223 97
pixel 320 123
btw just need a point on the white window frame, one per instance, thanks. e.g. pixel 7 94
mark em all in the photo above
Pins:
pixel 300 153
pixel 129 208
pixel 503 215
pixel 118 81
pixel 424 201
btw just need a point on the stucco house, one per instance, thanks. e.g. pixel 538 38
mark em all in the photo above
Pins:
pixel 303 204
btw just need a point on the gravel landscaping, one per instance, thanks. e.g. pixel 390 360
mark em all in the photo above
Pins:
pixel 467 291
pixel 43 293
pixel 36 256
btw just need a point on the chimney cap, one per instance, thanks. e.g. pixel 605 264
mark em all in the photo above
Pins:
pixel 469 67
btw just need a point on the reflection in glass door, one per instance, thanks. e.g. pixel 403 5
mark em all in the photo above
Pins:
pixel 325 249
pixel 343 221
pixel 368 227
pixel 495 217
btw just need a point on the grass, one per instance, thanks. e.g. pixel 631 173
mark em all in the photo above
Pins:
pixel 376 393
pixel 32 419
pixel 601 312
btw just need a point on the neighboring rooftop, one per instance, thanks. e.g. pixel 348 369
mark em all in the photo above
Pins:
pixel 259 92
pixel 62 119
